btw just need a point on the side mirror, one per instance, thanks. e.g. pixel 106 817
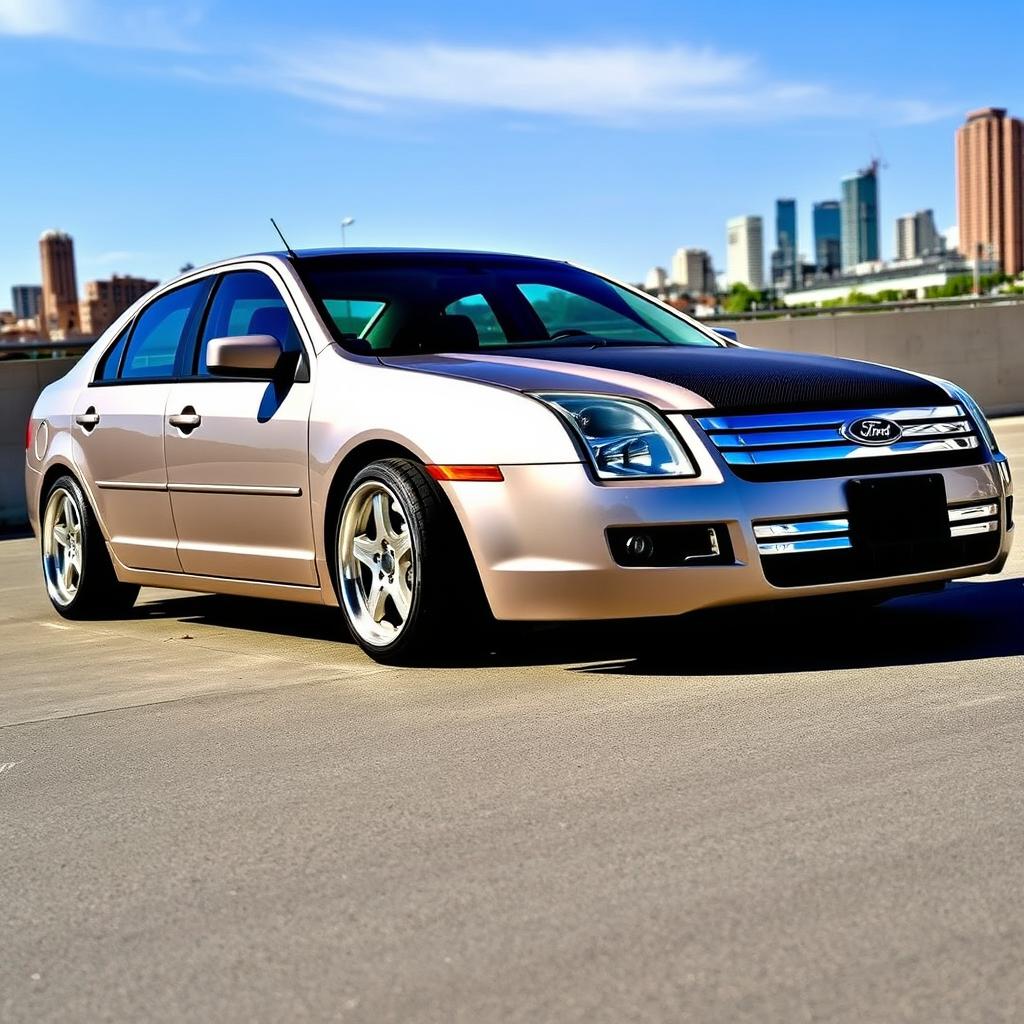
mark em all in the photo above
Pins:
pixel 248 355
pixel 728 333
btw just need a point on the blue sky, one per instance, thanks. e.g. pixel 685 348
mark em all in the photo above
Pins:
pixel 159 133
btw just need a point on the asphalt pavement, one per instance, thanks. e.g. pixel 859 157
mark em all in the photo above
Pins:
pixel 220 810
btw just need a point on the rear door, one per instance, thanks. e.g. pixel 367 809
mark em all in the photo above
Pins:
pixel 119 428
pixel 238 467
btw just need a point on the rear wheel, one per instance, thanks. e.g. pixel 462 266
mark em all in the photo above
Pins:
pixel 80 579
pixel 405 577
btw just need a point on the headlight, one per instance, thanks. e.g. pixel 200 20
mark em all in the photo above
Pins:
pixel 958 394
pixel 625 439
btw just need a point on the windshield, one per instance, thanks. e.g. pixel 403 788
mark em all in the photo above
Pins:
pixel 405 304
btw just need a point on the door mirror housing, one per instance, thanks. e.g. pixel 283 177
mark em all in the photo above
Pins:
pixel 729 333
pixel 248 355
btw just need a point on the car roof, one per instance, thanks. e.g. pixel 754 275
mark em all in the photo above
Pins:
pixel 296 257
pixel 356 251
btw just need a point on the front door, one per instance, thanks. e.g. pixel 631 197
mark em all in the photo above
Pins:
pixel 237 450
pixel 118 425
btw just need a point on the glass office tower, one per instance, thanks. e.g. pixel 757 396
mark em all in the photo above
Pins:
pixel 859 217
pixel 827 235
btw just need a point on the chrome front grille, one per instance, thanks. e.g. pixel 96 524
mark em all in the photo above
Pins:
pixel 833 534
pixel 794 445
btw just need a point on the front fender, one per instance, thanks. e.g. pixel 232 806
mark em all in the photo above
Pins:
pixel 440 420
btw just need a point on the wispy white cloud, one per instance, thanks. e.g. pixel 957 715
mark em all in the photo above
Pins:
pixel 120 256
pixel 36 17
pixel 622 84
pixel 611 83
pixel 580 81
pixel 923 111
pixel 135 25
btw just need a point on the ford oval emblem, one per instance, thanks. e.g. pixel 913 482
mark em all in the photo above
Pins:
pixel 873 430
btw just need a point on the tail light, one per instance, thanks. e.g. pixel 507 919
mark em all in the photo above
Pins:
pixel 28 434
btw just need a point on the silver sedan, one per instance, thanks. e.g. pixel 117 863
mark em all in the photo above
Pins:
pixel 435 440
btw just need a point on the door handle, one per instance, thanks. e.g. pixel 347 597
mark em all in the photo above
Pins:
pixel 186 421
pixel 88 419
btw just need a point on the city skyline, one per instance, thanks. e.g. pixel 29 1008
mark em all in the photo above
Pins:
pixel 520 127
pixel 989 185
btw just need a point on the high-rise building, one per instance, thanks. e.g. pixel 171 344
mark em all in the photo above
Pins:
pixel 916 235
pixel 990 187
pixel 60 286
pixel 785 256
pixel 744 262
pixel 26 300
pixel 827 236
pixel 692 271
pixel 105 301
pixel 656 279
pixel 859 217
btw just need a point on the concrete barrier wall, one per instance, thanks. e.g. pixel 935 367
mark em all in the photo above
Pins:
pixel 982 349
pixel 979 348
pixel 21 380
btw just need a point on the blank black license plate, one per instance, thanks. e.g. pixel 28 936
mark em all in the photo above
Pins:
pixel 898 510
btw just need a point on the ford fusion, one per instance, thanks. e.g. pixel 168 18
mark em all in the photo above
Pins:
pixel 431 440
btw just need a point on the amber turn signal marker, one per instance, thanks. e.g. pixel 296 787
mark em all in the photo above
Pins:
pixel 488 474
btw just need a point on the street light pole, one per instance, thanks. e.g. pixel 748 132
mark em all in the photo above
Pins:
pixel 346 222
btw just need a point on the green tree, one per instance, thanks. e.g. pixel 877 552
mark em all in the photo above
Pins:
pixel 741 299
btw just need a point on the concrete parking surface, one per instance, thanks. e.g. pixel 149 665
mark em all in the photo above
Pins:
pixel 219 810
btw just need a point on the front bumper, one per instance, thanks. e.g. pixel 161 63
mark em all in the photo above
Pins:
pixel 540 544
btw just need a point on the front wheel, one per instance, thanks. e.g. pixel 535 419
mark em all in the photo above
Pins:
pixel 80 579
pixel 405 577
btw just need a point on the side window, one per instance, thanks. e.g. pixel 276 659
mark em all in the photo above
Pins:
pixel 111 359
pixel 158 333
pixel 247 302
pixel 479 311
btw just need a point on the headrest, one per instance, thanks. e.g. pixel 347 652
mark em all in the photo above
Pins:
pixel 446 333
pixel 272 320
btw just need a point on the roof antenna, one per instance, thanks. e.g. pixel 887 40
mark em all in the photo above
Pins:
pixel 280 234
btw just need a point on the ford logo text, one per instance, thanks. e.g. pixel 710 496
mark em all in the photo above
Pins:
pixel 873 430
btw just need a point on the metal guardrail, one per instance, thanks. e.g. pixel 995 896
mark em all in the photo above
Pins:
pixel 789 312
pixel 44 349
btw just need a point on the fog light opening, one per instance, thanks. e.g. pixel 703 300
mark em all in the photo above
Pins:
pixel 680 545
pixel 639 545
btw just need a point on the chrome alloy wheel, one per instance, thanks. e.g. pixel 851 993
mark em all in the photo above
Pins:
pixel 62 547
pixel 375 559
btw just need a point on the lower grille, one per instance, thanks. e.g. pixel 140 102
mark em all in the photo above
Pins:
pixel 810 552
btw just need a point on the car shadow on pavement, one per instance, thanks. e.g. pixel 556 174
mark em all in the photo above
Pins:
pixel 286 618
pixel 965 622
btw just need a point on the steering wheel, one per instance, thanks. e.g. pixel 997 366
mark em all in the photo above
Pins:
pixel 567 332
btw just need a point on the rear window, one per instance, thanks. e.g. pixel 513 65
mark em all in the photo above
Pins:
pixel 159 331
pixel 111 360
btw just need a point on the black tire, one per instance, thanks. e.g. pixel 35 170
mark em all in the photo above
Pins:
pixel 97 592
pixel 448 612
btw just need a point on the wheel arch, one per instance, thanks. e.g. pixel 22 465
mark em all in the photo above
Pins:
pixel 358 458
pixel 53 472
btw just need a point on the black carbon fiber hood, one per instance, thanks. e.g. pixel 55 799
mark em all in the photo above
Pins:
pixel 749 380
